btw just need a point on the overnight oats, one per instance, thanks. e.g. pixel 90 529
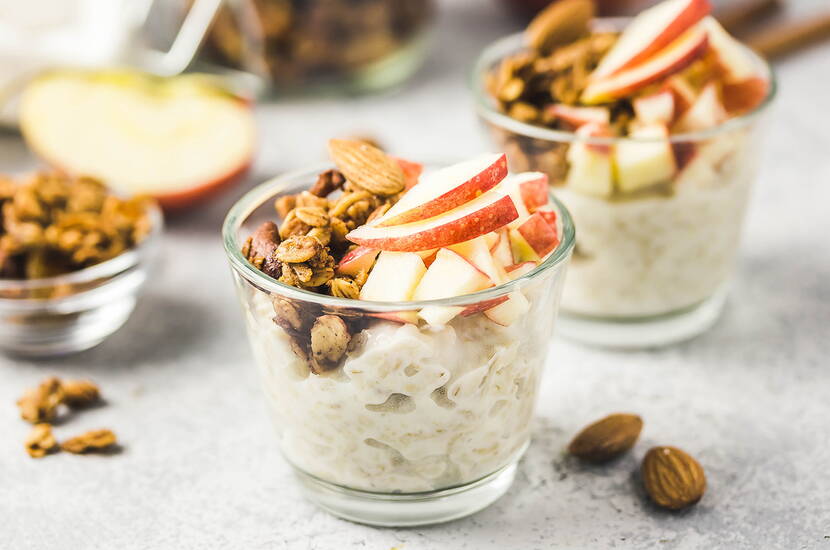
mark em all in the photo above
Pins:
pixel 648 132
pixel 401 322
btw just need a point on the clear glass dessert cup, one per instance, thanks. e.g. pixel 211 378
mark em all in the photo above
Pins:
pixel 649 268
pixel 414 425
pixel 73 312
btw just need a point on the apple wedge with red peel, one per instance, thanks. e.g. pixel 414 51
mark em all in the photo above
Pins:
pixel 577 116
pixel 591 170
pixel 648 33
pixel 394 278
pixel 743 96
pixel 441 191
pixel 360 259
pixel 520 270
pixel 449 275
pixel 731 57
pixel 706 112
pixel 550 216
pixel 411 171
pixel 538 233
pixel 533 189
pixel 179 139
pixel 671 59
pixel 477 217
pixel 657 108
pixel 509 312
pixel 645 160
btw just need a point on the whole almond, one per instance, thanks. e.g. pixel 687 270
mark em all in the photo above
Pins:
pixel 562 22
pixel 607 438
pixel 367 167
pixel 672 478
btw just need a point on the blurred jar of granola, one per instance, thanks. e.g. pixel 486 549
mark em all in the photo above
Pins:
pixel 348 45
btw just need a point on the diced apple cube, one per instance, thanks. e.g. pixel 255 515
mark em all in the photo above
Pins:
pixel 394 277
pixel 641 164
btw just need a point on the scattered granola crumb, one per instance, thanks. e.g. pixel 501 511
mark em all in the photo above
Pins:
pixel 41 441
pixel 40 404
pixel 80 393
pixel 92 441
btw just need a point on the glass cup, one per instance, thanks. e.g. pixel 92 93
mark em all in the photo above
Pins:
pixel 414 425
pixel 649 268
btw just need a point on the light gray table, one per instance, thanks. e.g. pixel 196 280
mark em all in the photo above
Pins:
pixel 200 468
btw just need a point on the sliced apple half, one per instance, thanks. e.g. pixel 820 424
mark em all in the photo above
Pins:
pixel 477 217
pixel 706 112
pixel 645 160
pixel 394 277
pixel 590 170
pixel 179 139
pixel 446 189
pixel 577 116
pixel 651 31
pixel 360 259
pixel 671 59
pixel 656 108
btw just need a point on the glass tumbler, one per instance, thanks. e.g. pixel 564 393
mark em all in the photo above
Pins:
pixel 414 424
pixel 649 268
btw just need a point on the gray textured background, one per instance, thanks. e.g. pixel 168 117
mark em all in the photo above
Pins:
pixel 200 468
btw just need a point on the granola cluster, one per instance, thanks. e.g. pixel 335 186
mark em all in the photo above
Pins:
pixel 304 250
pixel 54 224
pixel 40 407
pixel 303 40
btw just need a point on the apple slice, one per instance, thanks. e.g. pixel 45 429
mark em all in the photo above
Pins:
pixel 533 189
pixel 509 312
pixel 577 116
pixel 449 275
pixel 520 270
pixel 732 58
pixel 477 253
pixel 645 160
pixel 538 233
pixel 360 259
pixel 651 31
pixel 671 59
pixel 706 112
pixel 657 108
pixel 491 239
pixel 744 95
pixel 479 216
pixel 550 216
pixel 590 169
pixel 683 94
pixel 394 277
pixel 501 251
pixel 446 189
pixel 411 171
pixel 427 255
pixel 179 139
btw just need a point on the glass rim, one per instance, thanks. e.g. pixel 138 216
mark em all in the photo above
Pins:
pixel 102 270
pixel 257 196
pixel 497 50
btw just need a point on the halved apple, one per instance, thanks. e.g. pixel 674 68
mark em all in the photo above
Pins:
pixel 446 189
pixel 656 108
pixel 179 139
pixel 645 160
pixel 360 259
pixel 671 59
pixel 394 277
pixel 477 217
pixel 651 31
pixel 577 116
pixel 590 170
pixel 706 112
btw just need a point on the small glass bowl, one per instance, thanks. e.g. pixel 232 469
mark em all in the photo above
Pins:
pixel 68 313
pixel 416 424
pixel 649 269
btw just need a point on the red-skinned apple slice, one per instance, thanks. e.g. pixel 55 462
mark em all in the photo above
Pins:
pixel 360 259
pixel 538 233
pixel 744 95
pixel 651 31
pixel 179 139
pixel 657 108
pixel 550 216
pixel 411 171
pixel 533 188
pixel 479 216
pixel 706 112
pixel 446 189
pixel 671 59
pixel 394 277
pixel 577 116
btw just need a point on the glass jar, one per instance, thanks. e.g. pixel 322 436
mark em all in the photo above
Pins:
pixel 416 424
pixel 649 268
pixel 358 45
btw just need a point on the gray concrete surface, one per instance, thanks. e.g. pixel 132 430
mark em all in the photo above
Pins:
pixel 200 468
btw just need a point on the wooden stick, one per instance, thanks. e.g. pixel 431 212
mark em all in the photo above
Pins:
pixel 789 36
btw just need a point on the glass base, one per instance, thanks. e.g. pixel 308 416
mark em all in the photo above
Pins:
pixel 407 510
pixel 643 333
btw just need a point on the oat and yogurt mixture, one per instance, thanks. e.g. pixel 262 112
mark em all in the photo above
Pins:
pixel 425 397
pixel 656 180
